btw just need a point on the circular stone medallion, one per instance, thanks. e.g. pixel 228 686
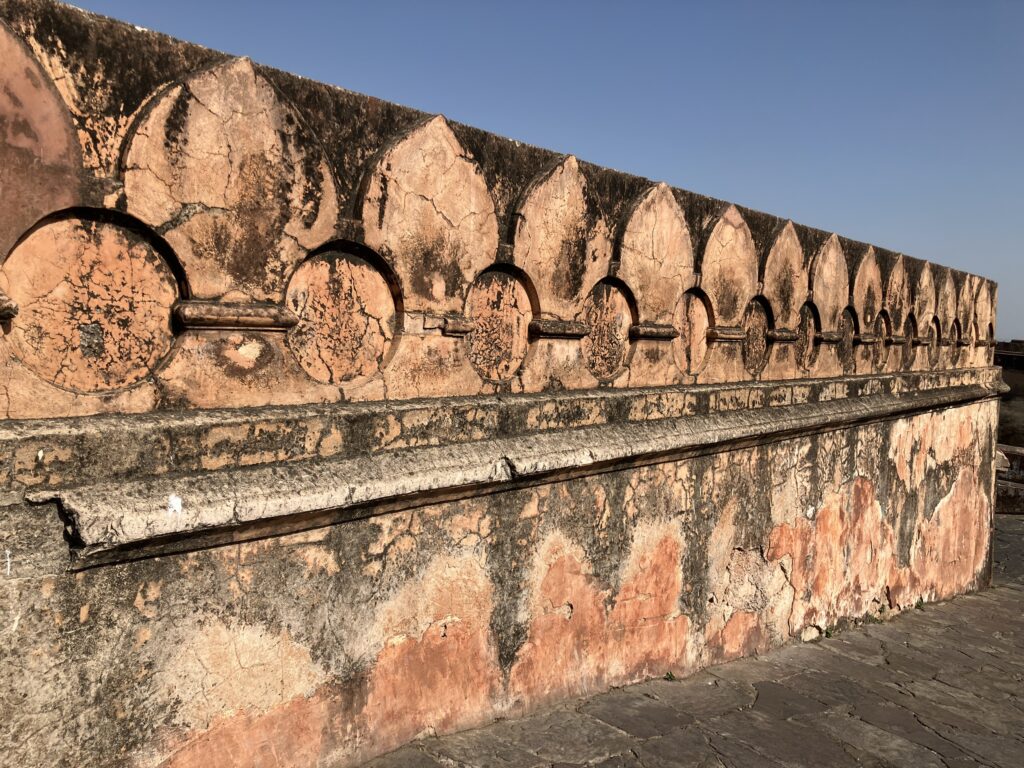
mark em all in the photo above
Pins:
pixel 692 319
pixel 608 315
pixel 806 341
pixel 755 339
pixel 95 305
pixel 934 338
pixel 499 308
pixel 347 318
pixel 880 349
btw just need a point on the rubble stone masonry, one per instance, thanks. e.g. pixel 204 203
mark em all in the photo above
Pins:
pixel 328 423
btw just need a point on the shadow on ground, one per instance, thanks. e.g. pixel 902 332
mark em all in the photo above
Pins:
pixel 1008 553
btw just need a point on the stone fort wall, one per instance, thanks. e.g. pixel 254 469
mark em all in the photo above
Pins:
pixel 328 423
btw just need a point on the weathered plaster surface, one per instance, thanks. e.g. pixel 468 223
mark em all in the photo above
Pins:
pixel 326 423
pixel 343 642
pixel 222 169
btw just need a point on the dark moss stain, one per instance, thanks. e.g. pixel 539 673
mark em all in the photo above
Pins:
pixel 351 128
pixel 871 305
pixel 260 214
pixel 436 258
pixel 764 230
pixel 175 137
pixel 90 339
pixel 508 169
pixel 509 565
pixel 811 240
pixel 568 281
pixel 855 251
pixel 299 141
pixel 699 519
pixel 702 213
pixel 784 291
pixel 382 203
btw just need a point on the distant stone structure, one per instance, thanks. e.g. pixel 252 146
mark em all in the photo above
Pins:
pixel 329 423
pixel 1009 355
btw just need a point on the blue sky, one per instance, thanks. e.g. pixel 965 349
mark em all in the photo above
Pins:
pixel 899 123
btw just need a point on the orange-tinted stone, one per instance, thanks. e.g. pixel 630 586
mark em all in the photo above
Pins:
pixel 95 305
pixel 40 159
pixel 500 311
pixel 347 318
pixel 233 178
pixel 609 317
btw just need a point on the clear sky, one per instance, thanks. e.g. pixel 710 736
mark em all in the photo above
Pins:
pixel 899 123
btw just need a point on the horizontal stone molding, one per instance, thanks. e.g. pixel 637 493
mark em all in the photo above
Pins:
pixel 111 521
pixel 558 329
pixel 214 315
pixel 58 453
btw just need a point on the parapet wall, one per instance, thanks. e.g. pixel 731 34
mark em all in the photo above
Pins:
pixel 330 423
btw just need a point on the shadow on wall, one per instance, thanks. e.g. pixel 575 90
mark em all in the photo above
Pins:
pixel 1010 355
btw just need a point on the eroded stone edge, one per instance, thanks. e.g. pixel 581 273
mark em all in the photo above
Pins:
pixel 112 521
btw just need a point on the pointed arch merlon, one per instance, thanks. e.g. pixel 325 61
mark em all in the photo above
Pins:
pixel 945 297
pixel 785 277
pixel 830 283
pixel 867 289
pixel 229 173
pixel 897 298
pixel 924 295
pixel 656 254
pixel 428 210
pixel 560 240
pixel 40 153
pixel 728 273
pixel 984 309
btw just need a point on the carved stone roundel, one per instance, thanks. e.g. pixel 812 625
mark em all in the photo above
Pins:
pixel 806 344
pixel 347 318
pixel 880 349
pixel 755 341
pixel 606 346
pixel 499 307
pixel 691 346
pixel 95 305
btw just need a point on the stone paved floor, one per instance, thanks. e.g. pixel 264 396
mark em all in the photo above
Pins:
pixel 942 686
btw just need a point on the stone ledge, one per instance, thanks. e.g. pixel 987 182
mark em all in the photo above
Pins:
pixel 61 453
pixel 125 520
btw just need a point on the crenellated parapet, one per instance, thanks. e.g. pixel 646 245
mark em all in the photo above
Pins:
pixel 207 244
pixel 326 424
